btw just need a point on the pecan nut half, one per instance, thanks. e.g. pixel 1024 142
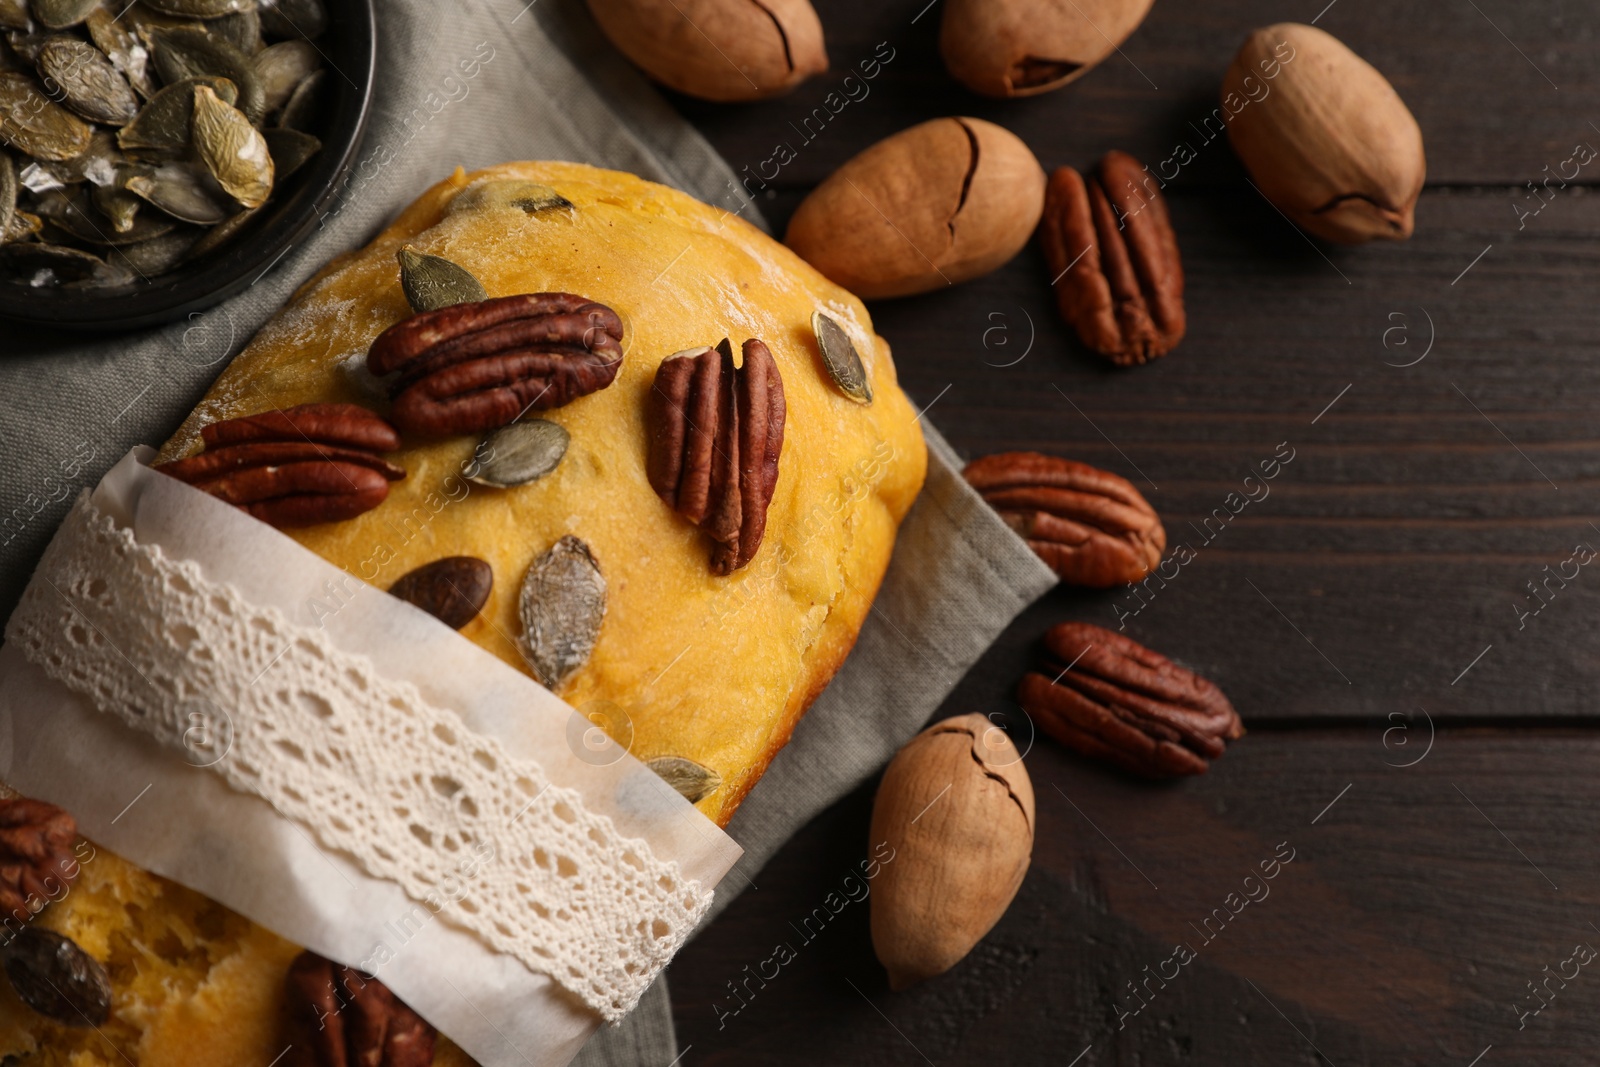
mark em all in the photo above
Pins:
pixel 1109 697
pixel 452 590
pixel 715 436
pixel 295 466
pixel 342 1018
pixel 36 840
pixel 1114 258
pixel 466 368
pixel 1091 526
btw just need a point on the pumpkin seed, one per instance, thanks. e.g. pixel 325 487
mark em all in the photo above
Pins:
pixel 145 21
pixel 233 150
pixel 67 208
pixel 181 52
pixel 118 206
pixel 519 454
pixel 198 9
pixel 222 233
pixel 282 67
pixel 59 14
pixel 143 226
pixel 177 190
pixel 157 255
pixel 70 211
pixel 164 122
pixel 8 194
pixel 39 264
pixel 562 604
pixel 300 111
pixel 686 776
pixel 14 15
pixel 57 979
pixel 107 276
pixel 34 124
pixel 294 18
pixel 26 45
pixel 530 197
pixel 290 150
pixel 432 282
pixel 175 94
pixel 25 226
pixel 118 41
pixel 452 590
pixel 87 81
pixel 97 163
pixel 242 29
pixel 840 357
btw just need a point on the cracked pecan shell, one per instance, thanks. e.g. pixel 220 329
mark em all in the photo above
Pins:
pixel 36 841
pixel 479 366
pixel 957 806
pixel 342 1018
pixel 716 432
pixel 295 466
pixel 1108 697
pixel 1114 260
pixel 1091 526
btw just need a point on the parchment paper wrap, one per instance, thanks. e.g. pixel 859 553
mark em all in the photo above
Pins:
pixel 153 805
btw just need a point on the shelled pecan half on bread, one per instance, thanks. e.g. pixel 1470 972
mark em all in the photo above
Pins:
pixel 1091 526
pixel 1114 260
pixel 452 590
pixel 295 466
pixel 53 975
pixel 715 436
pixel 340 1017
pixel 478 366
pixel 1107 696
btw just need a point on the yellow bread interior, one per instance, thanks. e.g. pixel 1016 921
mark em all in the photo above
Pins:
pixel 714 669
pixel 194 984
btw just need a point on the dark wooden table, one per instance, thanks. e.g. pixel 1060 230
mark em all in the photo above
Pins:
pixel 1423 748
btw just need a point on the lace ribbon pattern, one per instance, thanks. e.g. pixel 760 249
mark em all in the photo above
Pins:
pixel 362 762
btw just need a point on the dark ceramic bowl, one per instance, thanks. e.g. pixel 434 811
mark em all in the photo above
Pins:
pixel 305 197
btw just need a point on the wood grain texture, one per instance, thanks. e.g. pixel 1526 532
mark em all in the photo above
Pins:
pixel 1398 544
pixel 1403 931
pixel 1380 588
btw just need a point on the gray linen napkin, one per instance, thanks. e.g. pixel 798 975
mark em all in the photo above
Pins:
pixel 544 85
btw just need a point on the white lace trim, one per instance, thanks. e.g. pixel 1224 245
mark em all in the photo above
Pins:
pixel 364 763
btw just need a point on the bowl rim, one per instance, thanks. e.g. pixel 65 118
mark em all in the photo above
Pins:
pixel 213 280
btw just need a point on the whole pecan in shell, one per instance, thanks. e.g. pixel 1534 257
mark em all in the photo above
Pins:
pixel 36 841
pixel 295 466
pixel 1109 697
pixel 1091 526
pixel 716 432
pixel 1114 260
pixel 471 367
pixel 342 1018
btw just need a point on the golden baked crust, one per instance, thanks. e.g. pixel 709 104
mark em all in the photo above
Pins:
pixel 715 669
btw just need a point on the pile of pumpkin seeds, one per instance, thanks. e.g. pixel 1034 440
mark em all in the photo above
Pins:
pixel 139 136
